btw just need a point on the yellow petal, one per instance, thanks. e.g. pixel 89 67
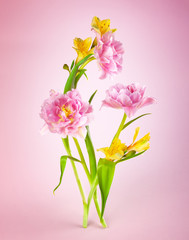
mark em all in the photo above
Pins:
pixel 78 42
pixel 115 151
pixel 104 150
pixel 104 26
pixel 141 145
pixel 87 44
pixel 136 134
pixel 82 48
pixel 95 22
pixel 80 56
pixel 101 27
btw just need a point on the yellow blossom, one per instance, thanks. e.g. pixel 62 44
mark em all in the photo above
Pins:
pixel 142 144
pixel 115 151
pixel 83 48
pixel 101 27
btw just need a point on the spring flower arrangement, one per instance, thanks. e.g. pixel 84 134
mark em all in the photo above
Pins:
pixel 69 116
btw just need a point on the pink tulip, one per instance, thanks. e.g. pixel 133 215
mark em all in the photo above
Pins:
pixel 130 98
pixel 108 53
pixel 66 114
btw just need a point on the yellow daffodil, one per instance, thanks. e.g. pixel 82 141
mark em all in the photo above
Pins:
pixel 115 151
pixel 101 27
pixel 83 48
pixel 142 144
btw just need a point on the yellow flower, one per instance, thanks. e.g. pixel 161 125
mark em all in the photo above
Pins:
pixel 101 27
pixel 142 144
pixel 115 151
pixel 82 48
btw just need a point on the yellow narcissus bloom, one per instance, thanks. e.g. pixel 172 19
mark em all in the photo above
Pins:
pixel 83 48
pixel 101 27
pixel 115 151
pixel 142 144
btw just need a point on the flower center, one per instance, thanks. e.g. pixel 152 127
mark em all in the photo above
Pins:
pixel 66 112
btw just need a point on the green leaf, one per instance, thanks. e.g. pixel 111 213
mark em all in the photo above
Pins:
pixel 85 75
pixel 72 158
pixel 72 64
pixel 65 66
pixel 63 161
pixel 66 145
pixel 70 83
pixel 92 96
pixel 128 123
pixel 130 155
pixel 91 153
pixel 105 172
pixel 79 75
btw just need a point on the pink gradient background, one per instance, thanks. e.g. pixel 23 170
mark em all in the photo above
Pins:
pixel 149 196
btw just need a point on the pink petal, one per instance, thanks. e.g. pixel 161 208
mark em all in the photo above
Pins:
pixel 146 101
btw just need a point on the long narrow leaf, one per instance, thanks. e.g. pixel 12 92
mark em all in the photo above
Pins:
pixel 130 156
pixel 128 123
pixel 66 145
pixel 91 153
pixel 105 172
pixel 72 158
pixel 85 75
pixel 63 161
pixel 72 64
pixel 92 96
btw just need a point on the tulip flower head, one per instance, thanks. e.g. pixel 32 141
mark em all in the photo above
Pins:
pixel 66 114
pixel 109 55
pixel 130 98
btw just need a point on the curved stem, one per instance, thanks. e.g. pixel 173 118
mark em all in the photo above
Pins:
pixel 120 127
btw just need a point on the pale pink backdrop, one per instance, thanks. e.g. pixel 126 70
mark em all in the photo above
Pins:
pixel 149 196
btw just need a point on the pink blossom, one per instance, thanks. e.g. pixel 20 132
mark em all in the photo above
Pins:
pixel 66 114
pixel 108 53
pixel 130 98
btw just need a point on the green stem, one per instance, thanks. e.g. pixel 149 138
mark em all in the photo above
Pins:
pixel 82 159
pixel 120 127
pixel 85 215
pixel 67 147
pixel 93 193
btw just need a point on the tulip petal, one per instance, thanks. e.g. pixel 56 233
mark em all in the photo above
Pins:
pixel 147 101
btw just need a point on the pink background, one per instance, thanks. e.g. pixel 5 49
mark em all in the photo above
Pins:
pixel 149 196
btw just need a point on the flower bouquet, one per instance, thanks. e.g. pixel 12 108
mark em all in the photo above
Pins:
pixel 68 115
